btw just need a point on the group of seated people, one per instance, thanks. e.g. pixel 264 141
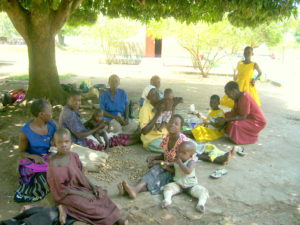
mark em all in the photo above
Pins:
pixel 159 129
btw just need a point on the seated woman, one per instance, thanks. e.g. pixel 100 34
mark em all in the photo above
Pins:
pixel 246 119
pixel 114 103
pixel 70 119
pixel 150 136
pixel 35 141
pixel 158 176
pixel 71 189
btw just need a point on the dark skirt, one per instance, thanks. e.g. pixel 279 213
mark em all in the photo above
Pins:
pixel 156 178
pixel 33 184
pixel 34 191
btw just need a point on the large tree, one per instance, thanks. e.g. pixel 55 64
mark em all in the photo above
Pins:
pixel 38 22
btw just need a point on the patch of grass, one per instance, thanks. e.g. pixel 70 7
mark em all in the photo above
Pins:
pixel 26 77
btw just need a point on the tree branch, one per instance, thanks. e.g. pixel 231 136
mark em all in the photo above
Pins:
pixel 18 15
pixel 63 12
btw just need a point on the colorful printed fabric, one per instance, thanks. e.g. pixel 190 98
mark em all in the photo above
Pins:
pixel 170 155
pixel 32 180
pixel 28 168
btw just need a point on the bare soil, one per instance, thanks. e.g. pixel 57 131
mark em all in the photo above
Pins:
pixel 261 188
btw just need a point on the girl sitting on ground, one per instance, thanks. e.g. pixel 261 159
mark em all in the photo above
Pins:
pixel 209 131
pixel 157 176
pixel 185 177
pixel 70 188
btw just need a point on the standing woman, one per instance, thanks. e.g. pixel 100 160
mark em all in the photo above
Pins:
pixel 35 141
pixel 245 78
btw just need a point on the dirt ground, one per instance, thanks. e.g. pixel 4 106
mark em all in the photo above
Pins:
pixel 261 188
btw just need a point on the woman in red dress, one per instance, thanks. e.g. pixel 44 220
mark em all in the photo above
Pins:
pixel 245 120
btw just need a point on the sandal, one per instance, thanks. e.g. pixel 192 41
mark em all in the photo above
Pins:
pixel 218 173
pixel 240 151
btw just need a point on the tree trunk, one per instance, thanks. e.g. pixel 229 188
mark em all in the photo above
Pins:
pixel 61 39
pixel 43 75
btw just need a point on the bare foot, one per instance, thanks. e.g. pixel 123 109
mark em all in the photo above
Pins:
pixel 129 190
pixel 26 207
pixel 62 215
pixel 227 157
pixel 121 189
pixel 233 150
pixel 165 204
pixel 200 208
pixel 122 222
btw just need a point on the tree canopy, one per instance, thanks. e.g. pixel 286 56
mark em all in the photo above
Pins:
pixel 240 13
pixel 38 21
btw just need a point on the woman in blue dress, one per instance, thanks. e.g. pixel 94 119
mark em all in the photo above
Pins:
pixel 34 143
pixel 115 105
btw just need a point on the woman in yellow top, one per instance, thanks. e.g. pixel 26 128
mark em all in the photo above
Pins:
pixel 245 79
pixel 208 131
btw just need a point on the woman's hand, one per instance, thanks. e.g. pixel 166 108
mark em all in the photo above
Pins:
pixel 164 165
pixel 252 82
pixel 88 196
pixel 220 121
pixel 120 120
pixel 126 121
pixel 38 159
pixel 150 159
pixel 98 191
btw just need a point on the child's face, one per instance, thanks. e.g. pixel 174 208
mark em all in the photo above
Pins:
pixel 184 154
pixel 214 103
pixel 169 96
pixel 98 117
pixel 174 125
pixel 156 82
pixel 63 143
pixel 74 102
pixel 248 52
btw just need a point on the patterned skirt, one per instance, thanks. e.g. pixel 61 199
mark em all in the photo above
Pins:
pixel 116 140
pixel 156 178
pixel 33 184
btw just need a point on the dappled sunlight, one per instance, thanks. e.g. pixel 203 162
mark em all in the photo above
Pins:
pixel 298 208
pixel 16 146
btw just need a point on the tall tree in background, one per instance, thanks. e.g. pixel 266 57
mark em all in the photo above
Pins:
pixel 38 22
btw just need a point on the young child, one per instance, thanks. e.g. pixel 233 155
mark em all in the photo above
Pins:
pixel 166 106
pixel 208 131
pixel 70 188
pixel 185 177
pixel 95 121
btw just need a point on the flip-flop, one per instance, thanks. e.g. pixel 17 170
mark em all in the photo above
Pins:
pixel 218 173
pixel 240 151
